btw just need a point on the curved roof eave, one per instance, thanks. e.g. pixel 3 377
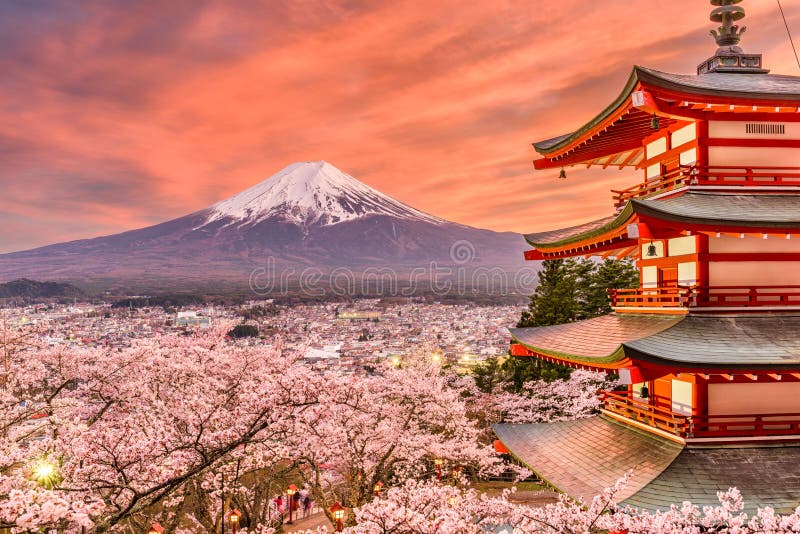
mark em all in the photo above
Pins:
pixel 554 144
pixel 767 87
pixel 618 221
pixel 602 361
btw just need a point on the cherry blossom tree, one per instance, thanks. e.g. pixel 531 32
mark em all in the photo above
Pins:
pixel 382 430
pixel 127 432
pixel 428 508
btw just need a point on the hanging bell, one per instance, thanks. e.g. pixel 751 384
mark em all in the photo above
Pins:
pixel 655 122
pixel 651 250
pixel 563 174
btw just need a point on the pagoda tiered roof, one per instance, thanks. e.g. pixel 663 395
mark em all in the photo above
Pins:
pixel 709 211
pixel 689 342
pixel 613 137
pixel 597 341
pixel 584 456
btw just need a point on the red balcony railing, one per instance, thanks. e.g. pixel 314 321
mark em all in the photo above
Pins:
pixel 710 176
pixel 705 297
pixel 724 296
pixel 714 426
pixel 658 297
pixel 642 412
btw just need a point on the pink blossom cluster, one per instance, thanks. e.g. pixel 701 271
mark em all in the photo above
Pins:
pixel 428 507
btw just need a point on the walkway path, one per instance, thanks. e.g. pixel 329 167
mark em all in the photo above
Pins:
pixel 315 520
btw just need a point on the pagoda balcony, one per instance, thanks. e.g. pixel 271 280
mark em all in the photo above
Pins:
pixel 672 298
pixel 703 427
pixel 710 177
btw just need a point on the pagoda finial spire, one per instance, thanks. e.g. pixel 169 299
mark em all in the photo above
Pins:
pixel 727 13
pixel 729 57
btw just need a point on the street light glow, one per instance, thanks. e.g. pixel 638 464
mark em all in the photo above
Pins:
pixel 44 472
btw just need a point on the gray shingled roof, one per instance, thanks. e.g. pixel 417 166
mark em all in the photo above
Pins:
pixel 746 85
pixel 598 338
pixel 724 341
pixel 717 210
pixel 726 209
pixel 584 456
pixel 766 86
pixel 766 476
pixel 552 236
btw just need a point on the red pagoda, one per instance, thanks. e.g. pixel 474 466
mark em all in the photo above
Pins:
pixel 709 343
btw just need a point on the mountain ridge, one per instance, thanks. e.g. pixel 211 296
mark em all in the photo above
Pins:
pixel 308 215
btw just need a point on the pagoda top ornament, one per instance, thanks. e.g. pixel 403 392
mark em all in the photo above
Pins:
pixel 727 12
pixel 729 57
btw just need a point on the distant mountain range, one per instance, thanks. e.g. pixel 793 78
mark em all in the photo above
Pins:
pixel 308 215
pixel 31 289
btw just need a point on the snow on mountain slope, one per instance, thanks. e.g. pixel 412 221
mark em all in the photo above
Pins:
pixel 311 193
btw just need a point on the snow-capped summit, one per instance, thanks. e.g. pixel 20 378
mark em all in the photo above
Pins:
pixel 311 193
pixel 308 215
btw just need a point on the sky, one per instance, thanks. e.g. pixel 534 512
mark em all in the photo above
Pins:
pixel 117 115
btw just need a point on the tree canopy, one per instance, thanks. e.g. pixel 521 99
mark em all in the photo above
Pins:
pixel 573 290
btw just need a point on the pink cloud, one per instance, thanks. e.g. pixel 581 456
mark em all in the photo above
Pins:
pixel 117 116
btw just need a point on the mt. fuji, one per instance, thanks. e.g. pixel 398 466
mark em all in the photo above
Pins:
pixel 309 214
pixel 312 193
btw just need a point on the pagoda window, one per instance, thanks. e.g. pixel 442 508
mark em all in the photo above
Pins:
pixel 656 148
pixel 687 273
pixel 754 273
pixel 654 171
pixel 689 157
pixel 751 244
pixel 753 398
pixel 684 135
pixel 650 276
pixel 682 397
pixel 680 246
pixel 752 156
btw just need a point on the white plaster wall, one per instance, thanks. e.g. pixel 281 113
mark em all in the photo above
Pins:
pixel 682 397
pixel 736 156
pixel 688 157
pixel 687 273
pixel 725 243
pixel 755 398
pixel 678 246
pixel 754 273
pixel 684 135
pixel 657 147
pixel 653 170
pixel 650 276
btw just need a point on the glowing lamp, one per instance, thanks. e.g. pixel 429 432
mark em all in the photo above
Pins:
pixel 337 512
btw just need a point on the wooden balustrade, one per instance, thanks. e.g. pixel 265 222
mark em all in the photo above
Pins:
pixel 743 296
pixel 714 426
pixel 666 297
pixel 652 416
pixel 705 297
pixel 710 176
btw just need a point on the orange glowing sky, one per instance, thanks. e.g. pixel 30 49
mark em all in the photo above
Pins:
pixel 118 115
